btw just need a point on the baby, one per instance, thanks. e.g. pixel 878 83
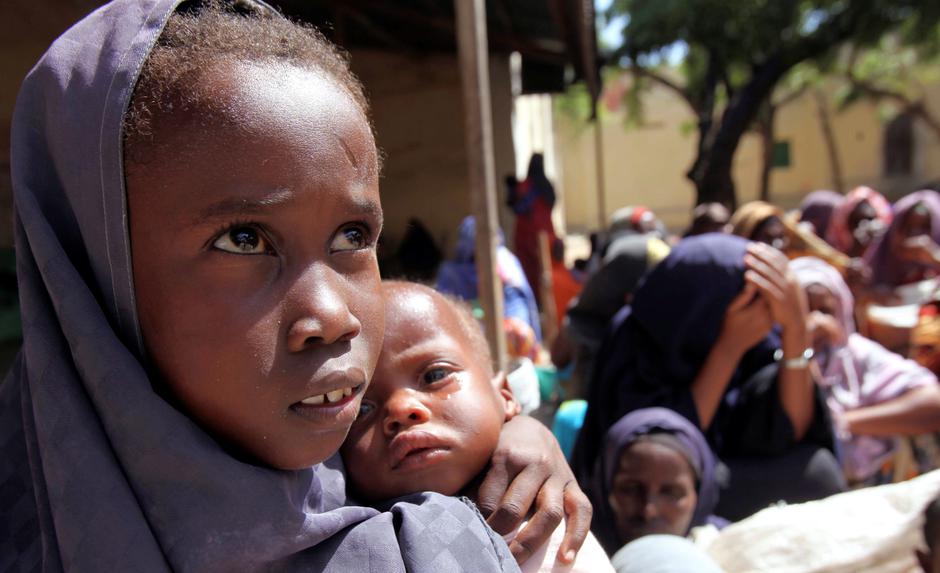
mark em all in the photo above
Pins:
pixel 431 417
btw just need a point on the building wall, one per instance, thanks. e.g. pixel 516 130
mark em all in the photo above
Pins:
pixel 417 108
pixel 646 165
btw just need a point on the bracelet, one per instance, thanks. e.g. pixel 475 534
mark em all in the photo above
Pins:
pixel 800 362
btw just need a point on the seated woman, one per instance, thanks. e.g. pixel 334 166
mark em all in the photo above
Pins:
pixel 908 252
pixel 765 223
pixel 656 475
pixel 817 208
pixel 874 395
pixel 858 222
pixel 698 339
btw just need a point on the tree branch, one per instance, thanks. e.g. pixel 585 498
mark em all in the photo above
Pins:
pixel 641 71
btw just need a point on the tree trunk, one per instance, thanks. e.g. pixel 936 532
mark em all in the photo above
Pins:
pixel 711 172
pixel 825 124
pixel 765 126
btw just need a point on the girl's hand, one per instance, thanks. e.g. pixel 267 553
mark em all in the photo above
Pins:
pixel 768 270
pixel 529 471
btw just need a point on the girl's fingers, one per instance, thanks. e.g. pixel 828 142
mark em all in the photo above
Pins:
pixel 577 523
pixel 549 510
pixel 517 499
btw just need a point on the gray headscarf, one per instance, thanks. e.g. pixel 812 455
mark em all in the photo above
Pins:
pixel 99 473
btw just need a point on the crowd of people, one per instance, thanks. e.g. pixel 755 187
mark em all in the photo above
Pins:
pixel 215 377
pixel 763 357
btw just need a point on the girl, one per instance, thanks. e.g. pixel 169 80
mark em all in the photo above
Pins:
pixel 197 208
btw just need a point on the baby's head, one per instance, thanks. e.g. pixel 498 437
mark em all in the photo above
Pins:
pixel 431 417
pixel 252 187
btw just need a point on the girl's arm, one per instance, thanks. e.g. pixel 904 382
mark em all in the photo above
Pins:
pixel 530 473
pixel 914 412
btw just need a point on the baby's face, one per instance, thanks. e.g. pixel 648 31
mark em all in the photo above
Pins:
pixel 255 270
pixel 432 415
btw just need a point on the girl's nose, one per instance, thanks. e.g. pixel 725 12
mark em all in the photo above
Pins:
pixel 323 315
pixel 404 409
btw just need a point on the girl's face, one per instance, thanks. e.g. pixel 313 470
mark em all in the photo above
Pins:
pixel 253 232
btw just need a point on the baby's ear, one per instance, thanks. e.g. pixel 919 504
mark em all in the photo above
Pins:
pixel 510 407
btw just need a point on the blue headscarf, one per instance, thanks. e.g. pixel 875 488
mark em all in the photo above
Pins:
pixel 458 277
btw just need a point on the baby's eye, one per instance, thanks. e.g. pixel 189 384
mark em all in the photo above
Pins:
pixel 435 375
pixel 242 240
pixel 350 238
pixel 365 408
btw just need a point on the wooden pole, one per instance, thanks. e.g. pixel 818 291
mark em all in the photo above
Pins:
pixel 599 169
pixel 473 53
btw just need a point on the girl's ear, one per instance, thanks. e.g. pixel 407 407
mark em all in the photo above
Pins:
pixel 510 407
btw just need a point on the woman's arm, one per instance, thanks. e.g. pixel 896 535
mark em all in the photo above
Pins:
pixel 746 322
pixel 529 472
pixel 768 268
pixel 914 412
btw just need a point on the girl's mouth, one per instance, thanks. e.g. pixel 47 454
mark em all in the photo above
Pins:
pixel 331 397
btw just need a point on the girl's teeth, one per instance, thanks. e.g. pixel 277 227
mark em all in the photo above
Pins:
pixel 334 396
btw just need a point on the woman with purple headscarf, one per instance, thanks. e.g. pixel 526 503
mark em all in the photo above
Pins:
pixel 817 208
pixel 653 456
pixel 874 394
pixel 909 251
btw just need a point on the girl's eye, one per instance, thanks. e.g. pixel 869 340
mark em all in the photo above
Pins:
pixel 242 241
pixel 351 238
pixel 435 375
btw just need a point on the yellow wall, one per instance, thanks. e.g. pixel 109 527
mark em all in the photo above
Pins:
pixel 646 165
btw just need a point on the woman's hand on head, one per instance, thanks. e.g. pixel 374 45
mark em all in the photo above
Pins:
pixel 529 471
pixel 747 320
pixel 768 269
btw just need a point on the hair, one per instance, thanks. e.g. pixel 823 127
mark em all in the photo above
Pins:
pixel 471 328
pixel 203 35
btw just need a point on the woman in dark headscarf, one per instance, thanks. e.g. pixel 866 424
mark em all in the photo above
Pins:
pixel 532 200
pixel 698 340
pixel 691 479
pixel 909 251
pixel 817 208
